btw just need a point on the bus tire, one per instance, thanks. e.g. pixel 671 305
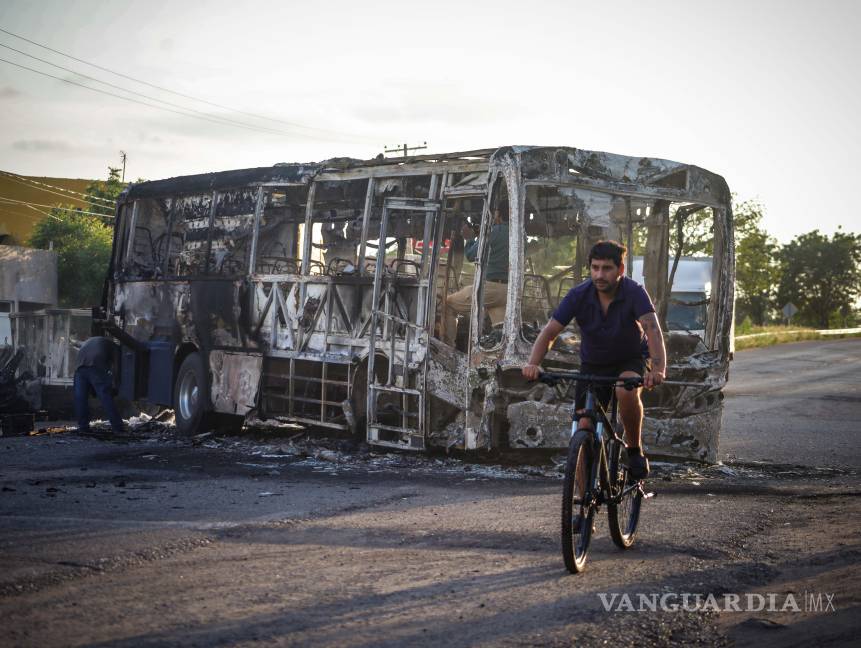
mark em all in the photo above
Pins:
pixel 191 404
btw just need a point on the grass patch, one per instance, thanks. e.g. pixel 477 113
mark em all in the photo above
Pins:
pixel 763 336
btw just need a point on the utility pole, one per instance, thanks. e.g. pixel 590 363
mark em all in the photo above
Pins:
pixel 123 156
pixel 405 149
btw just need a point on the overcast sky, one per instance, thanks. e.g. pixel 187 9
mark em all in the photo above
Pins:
pixel 764 93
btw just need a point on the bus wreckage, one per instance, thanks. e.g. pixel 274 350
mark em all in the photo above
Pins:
pixel 316 293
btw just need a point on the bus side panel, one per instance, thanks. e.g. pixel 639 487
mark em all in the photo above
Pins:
pixel 216 314
pixel 154 309
pixel 235 381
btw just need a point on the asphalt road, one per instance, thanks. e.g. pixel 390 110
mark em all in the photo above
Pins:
pixel 795 403
pixel 151 540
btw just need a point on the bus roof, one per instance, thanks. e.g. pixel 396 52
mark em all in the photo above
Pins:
pixel 597 169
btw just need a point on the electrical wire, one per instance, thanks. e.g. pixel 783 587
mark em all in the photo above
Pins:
pixel 334 133
pixel 214 120
pixel 29 215
pixel 68 209
pixel 45 184
pixel 36 209
pixel 48 214
pixel 56 193
pixel 145 96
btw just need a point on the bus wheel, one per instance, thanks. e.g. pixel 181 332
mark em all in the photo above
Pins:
pixel 191 396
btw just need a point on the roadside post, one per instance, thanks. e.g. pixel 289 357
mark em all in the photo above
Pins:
pixel 789 310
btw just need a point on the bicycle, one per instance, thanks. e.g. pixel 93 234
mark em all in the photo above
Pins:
pixel 595 474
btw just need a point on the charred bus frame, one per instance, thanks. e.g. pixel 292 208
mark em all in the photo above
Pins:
pixel 316 293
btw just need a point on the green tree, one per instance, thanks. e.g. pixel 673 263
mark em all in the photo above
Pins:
pixel 103 194
pixel 756 264
pixel 822 277
pixel 691 232
pixel 693 229
pixel 82 242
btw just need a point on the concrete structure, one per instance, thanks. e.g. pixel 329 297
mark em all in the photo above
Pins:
pixel 28 282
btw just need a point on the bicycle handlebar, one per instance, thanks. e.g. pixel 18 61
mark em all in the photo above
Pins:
pixel 553 377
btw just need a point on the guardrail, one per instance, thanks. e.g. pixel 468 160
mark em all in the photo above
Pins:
pixel 846 331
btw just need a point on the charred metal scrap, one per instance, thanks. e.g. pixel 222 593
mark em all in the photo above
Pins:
pixel 316 293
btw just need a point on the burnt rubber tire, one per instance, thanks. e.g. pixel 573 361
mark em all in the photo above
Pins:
pixel 359 403
pixel 577 512
pixel 623 516
pixel 191 403
pixel 225 423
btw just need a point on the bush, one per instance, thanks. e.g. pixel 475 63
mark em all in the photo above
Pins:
pixel 745 326
pixel 83 246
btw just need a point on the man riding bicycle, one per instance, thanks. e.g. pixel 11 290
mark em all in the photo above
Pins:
pixel 620 336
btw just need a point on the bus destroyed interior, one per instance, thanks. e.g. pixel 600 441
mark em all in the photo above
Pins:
pixel 317 293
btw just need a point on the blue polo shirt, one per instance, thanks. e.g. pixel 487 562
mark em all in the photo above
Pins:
pixel 610 339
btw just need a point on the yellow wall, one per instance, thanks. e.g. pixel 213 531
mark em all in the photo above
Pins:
pixel 19 220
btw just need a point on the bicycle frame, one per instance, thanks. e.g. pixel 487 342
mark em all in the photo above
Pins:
pixel 608 444
pixel 607 482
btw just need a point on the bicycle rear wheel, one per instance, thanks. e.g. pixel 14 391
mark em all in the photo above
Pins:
pixel 577 509
pixel 624 514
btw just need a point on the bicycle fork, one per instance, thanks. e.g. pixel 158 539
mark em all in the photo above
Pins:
pixel 597 486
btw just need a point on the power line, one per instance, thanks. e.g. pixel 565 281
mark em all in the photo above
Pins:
pixel 186 96
pixel 68 209
pixel 57 193
pixel 145 96
pixel 214 120
pixel 50 186
pixel 29 215
pixel 45 184
pixel 48 214
pixel 143 103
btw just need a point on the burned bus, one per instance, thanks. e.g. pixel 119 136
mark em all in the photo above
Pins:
pixel 317 293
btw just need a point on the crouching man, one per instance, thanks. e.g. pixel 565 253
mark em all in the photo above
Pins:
pixel 93 375
pixel 620 336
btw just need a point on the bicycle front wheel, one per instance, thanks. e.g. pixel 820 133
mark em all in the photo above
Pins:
pixel 578 511
pixel 623 509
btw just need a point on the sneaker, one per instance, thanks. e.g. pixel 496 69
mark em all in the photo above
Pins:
pixel 638 467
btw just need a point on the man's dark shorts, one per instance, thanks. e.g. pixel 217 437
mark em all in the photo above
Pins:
pixel 603 392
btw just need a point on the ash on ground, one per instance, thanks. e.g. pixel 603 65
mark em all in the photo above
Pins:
pixel 276 445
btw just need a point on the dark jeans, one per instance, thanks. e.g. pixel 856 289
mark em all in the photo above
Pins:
pixel 99 382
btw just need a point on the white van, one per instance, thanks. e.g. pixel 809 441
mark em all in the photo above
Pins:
pixel 689 294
